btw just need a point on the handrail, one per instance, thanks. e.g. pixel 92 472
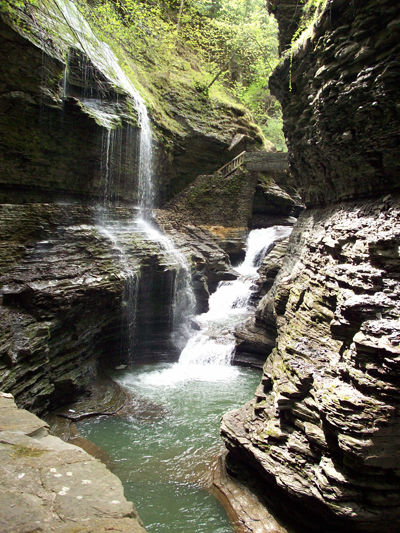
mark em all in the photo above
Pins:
pixel 232 165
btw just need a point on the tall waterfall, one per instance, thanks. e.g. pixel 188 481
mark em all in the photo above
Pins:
pixel 88 56
pixel 214 344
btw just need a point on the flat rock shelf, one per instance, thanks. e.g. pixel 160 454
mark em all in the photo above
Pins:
pixel 49 485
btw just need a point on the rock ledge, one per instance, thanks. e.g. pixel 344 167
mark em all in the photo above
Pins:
pixel 49 485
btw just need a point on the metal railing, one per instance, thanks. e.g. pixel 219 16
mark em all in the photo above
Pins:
pixel 232 165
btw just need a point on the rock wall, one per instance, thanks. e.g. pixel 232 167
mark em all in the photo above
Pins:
pixel 322 433
pixel 324 425
pixel 64 300
pixel 68 116
pixel 79 284
pixel 339 91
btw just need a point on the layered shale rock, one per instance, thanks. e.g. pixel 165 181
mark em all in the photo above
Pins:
pixel 69 114
pixel 322 434
pixel 272 205
pixel 324 425
pixel 74 291
pixel 226 207
pixel 339 91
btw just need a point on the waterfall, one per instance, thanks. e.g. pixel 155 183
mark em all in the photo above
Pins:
pixel 91 57
pixel 214 344
pixel 183 299
pixel 131 288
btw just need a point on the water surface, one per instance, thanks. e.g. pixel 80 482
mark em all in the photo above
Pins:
pixel 163 453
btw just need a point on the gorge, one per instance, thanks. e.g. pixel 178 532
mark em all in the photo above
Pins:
pixel 119 237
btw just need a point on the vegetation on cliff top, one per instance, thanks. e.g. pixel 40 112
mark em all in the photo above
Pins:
pixel 225 49
pixel 309 16
pixel 222 50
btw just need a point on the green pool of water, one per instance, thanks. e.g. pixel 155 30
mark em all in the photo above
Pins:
pixel 164 450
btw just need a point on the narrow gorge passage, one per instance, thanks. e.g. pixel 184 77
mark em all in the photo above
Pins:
pixel 120 238
pixel 165 451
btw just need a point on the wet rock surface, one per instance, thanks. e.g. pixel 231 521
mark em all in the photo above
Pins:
pixel 49 485
pixel 273 206
pixel 246 511
pixel 339 93
pixel 209 262
pixel 226 207
pixel 63 297
pixel 323 428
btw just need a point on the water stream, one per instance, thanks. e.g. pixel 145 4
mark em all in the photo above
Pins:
pixel 230 304
pixel 163 451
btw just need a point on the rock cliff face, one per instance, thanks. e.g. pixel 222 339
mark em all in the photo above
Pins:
pixel 322 434
pixel 69 115
pixel 79 283
pixel 71 291
pixel 341 110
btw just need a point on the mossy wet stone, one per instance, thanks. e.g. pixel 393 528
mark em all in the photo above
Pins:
pixel 216 201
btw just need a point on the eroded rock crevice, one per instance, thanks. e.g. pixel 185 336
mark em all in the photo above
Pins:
pixel 324 423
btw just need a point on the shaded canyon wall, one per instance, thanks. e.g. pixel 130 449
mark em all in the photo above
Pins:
pixel 78 282
pixel 322 434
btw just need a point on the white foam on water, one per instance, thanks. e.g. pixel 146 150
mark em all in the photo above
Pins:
pixel 214 344
pixel 178 374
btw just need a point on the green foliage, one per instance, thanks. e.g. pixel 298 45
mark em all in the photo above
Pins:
pixel 9 6
pixel 273 132
pixel 222 49
pixel 24 451
pixel 266 110
pixel 13 8
pixel 228 46
pixel 311 11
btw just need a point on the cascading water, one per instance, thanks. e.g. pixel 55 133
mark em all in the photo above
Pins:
pixel 214 344
pixel 183 299
pixel 92 65
pixel 131 289
pixel 163 452
pixel 146 188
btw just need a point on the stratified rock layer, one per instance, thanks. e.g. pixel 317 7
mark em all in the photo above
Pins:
pixel 339 93
pixel 76 289
pixel 325 425
pixel 323 430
